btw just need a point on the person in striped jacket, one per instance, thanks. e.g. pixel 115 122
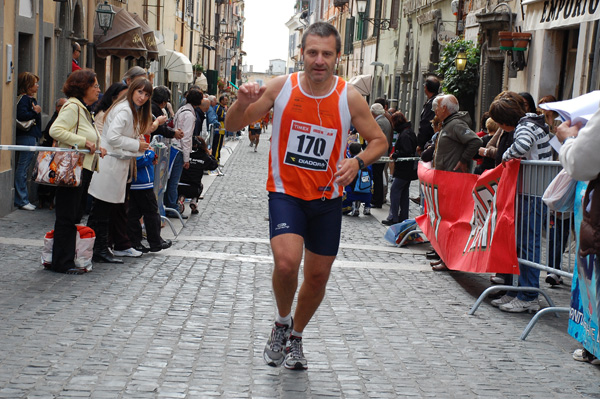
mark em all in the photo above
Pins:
pixel 531 142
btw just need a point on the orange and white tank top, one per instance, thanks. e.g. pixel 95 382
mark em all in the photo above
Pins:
pixel 308 141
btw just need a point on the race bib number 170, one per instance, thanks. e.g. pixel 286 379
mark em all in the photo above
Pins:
pixel 309 146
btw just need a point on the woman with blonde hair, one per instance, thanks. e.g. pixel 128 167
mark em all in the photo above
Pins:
pixel 125 123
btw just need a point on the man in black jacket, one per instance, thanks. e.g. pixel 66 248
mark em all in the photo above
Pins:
pixel 431 88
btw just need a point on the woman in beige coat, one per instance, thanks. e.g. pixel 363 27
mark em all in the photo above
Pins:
pixel 124 125
pixel 74 126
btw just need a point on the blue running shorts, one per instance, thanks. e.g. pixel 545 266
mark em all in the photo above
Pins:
pixel 318 222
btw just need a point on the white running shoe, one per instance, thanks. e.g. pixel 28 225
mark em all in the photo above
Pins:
pixel 131 252
pixel 502 300
pixel 28 207
pixel 519 306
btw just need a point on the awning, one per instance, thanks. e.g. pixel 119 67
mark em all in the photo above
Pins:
pixel 202 82
pixel 125 39
pixel 179 67
pixel 552 14
pixel 362 83
pixel 149 39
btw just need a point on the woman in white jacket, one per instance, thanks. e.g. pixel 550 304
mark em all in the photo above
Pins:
pixel 124 125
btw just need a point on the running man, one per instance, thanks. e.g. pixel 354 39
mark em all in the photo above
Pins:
pixel 308 170
pixel 254 131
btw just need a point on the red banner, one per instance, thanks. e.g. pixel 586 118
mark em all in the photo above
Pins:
pixel 470 219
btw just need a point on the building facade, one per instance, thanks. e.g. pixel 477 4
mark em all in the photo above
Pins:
pixel 397 44
pixel 179 42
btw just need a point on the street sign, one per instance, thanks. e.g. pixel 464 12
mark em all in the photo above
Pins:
pixel 445 36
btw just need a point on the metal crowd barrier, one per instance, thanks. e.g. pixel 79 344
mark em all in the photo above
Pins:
pixel 553 250
pixel 161 146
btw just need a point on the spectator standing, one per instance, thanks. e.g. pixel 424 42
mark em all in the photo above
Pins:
pixel 220 111
pixel 110 96
pixel 487 160
pixel 361 193
pixel 579 157
pixel 74 127
pixel 404 172
pixel 143 203
pixel 378 168
pixel 160 98
pixel 47 141
pixel 431 88
pixel 134 73
pixel 76 54
pixel 27 109
pixel 125 124
pixel 457 144
pixel 185 120
pixel 530 142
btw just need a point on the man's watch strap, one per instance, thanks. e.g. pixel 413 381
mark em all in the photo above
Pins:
pixel 361 163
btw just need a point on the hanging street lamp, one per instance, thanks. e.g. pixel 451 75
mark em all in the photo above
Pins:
pixel 461 60
pixel 106 15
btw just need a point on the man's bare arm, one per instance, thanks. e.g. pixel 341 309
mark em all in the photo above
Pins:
pixel 252 103
pixel 365 124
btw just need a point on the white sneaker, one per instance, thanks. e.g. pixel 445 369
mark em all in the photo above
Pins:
pixel 519 306
pixel 502 300
pixel 131 252
pixel 28 207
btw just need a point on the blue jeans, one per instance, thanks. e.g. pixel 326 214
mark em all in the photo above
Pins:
pixel 23 160
pixel 531 217
pixel 399 200
pixel 170 199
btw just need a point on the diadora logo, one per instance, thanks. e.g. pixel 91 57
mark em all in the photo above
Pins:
pixel 282 226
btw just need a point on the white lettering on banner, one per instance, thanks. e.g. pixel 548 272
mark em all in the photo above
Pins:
pixel 309 146
pixel 483 222
pixel 558 13
pixel 430 193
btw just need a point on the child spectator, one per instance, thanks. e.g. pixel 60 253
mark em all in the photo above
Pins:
pixel 360 190
pixel 142 203
pixel 190 184
pixel 487 161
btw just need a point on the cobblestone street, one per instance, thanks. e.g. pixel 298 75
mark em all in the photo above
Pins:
pixel 192 321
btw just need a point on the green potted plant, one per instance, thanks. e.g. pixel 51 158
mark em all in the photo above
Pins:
pixel 198 69
pixel 461 84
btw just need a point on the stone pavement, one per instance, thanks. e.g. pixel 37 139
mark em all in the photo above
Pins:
pixel 192 321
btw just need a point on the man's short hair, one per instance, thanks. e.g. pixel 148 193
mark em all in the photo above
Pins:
pixel 377 109
pixel 75 46
pixel 194 97
pixel 160 94
pixel 354 149
pixel 432 84
pixel 223 97
pixel 323 29
pixel 382 101
pixel 450 102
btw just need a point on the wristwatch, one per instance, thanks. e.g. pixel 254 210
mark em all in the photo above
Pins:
pixel 361 163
